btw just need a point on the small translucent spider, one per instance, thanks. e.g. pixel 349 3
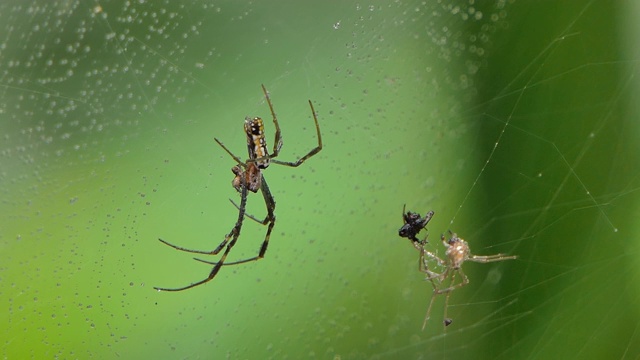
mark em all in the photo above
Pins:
pixel 456 254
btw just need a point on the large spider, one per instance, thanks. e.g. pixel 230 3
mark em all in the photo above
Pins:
pixel 248 176
pixel 456 254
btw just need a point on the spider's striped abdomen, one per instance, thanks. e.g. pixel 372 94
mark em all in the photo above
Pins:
pixel 256 143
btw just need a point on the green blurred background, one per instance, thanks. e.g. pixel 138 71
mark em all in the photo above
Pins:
pixel 515 121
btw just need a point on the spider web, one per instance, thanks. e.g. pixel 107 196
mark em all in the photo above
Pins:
pixel 514 122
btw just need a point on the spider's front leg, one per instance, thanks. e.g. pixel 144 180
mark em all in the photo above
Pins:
pixel 491 258
pixel 278 141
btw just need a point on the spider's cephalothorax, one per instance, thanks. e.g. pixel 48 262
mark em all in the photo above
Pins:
pixel 457 251
pixel 249 177
pixel 413 224
pixel 252 177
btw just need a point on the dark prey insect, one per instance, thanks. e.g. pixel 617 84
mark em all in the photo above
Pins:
pixel 248 176
pixel 413 224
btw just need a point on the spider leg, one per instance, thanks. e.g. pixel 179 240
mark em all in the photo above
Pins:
pixel 434 257
pixel 310 153
pixel 427 218
pixel 277 142
pixel 212 252
pixel 263 222
pixel 404 217
pixel 465 281
pixel 213 272
pixel 219 247
pixel 436 291
pixel 233 235
pixel 423 266
pixel 444 240
pixel 491 258
pixel 426 318
pixel 269 220
pixel 447 321
pixel 237 159
pixel 432 277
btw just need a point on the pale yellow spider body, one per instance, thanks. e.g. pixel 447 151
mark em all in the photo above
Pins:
pixel 456 254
